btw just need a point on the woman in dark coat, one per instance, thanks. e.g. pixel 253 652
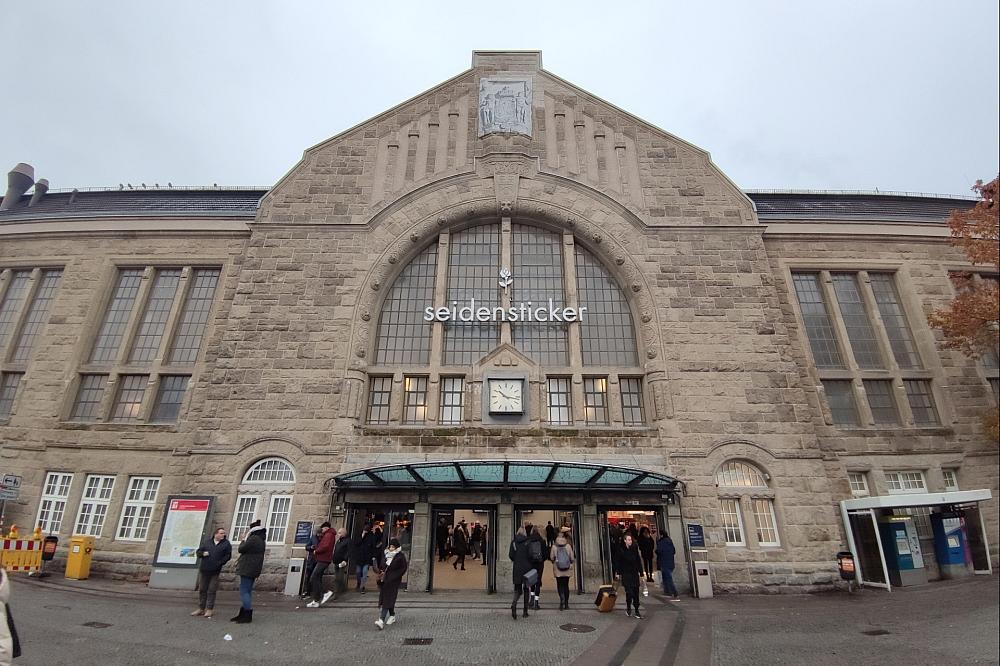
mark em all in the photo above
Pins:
pixel 460 545
pixel 522 565
pixel 646 548
pixel 248 568
pixel 543 549
pixel 392 568
pixel 629 567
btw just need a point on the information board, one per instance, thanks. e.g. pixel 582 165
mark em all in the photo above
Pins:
pixel 303 530
pixel 696 535
pixel 183 529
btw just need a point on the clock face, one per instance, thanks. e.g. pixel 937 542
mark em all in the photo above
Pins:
pixel 506 396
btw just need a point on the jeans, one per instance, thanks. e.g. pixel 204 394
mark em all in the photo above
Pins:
pixel 316 580
pixel 668 582
pixel 519 589
pixel 386 612
pixel 562 585
pixel 208 585
pixel 647 565
pixel 246 589
pixel 362 574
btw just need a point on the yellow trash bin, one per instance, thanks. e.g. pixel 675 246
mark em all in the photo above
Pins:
pixel 81 549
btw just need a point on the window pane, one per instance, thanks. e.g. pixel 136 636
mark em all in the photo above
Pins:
pixel 94 504
pixel 137 511
pixel 732 525
pixel 632 412
pixel 53 501
pixel 154 319
pixel 736 474
pixel 194 316
pixel 38 314
pixel 109 339
pixel 859 483
pixel 452 400
pixel 763 517
pixel 403 335
pixel 169 398
pixel 10 306
pixel 270 470
pixel 859 327
pixel 881 399
pixel 595 395
pixel 246 510
pixel 9 382
pixel 538 278
pixel 819 328
pixel 379 395
pixel 921 519
pixel 414 399
pixel 128 403
pixel 894 320
pixel 473 272
pixel 277 518
pixel 560 410
pixel 905 482
pixel 840 397
pixel 88 398
pixel 950 479
pixel 918 392
pixel 607 336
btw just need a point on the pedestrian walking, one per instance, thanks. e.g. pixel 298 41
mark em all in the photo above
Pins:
pixel 310 563
pixel 10 645
pixel 646 548
pixel 537 553
pixel 248 568
pixel 339 559
pixel 460 545
pixel 665 552
pixel 562 556
pixel 391 569
pixel 363 556
pixel 550 534
pixel 324 555
pixel 522 564
pixel 213 554
pixel 484 545
pixel 442 540
pixel 629 567
pixel 475 540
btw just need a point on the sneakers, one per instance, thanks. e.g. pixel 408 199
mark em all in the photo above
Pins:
pixel 195 613
pixel 391 620
pixel 312 604
pixel 209 613
pixel 380 624
pixel 326 597
pixel 675 598
pixel 637 615
pixel 628 611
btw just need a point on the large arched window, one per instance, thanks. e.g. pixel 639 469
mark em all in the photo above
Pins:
pixel 266 493
pixel 520 284
pixel 743 489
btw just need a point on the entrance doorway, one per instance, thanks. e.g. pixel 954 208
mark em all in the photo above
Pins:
pixel 383 522
pixel 463 548
pixel 563 521
pixel 616 522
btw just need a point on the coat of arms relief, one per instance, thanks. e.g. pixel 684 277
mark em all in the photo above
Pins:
pixel 504 106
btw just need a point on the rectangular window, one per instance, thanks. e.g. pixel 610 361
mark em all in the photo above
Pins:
pixel 950 479
pixel 37 315
pixel 414 400
pixel 595 400
pixel 560 409
pixel 128 402
pixel 894 320
pixel 763 518
pixel 169 397
pixel 88 398
pixel 881 399
pixel 109 338
pixel 905 482
pixel 137 511
pixel 856 321
pixel 819 328
pixel 97 491
pixel 632 411
pixel 452 400
pixel 379 395
pixel 53 502
pixel 154 319
pixel 9 381
pixel 194 315
pixel 10 306
pixel 732 522
pixel 277 518
pixel 840 397
pixel 859 483
pixel 246 511
pixel 918 392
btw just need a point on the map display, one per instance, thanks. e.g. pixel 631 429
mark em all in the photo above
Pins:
pixel 183 527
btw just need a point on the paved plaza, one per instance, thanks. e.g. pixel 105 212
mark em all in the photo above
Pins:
pixel 98 622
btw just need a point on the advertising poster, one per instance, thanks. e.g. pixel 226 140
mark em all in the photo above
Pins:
pixel 182 531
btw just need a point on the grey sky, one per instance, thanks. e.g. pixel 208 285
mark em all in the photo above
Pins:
pixel 845 95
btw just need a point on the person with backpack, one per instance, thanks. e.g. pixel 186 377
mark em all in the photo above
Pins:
pixel 522 564
pixel 562 557
pixel 537 554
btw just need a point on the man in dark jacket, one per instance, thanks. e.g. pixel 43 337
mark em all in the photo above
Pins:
pixel 341 554
pixel 629 569
pixel 522 564
pixel 441 535
pixel 310 563
pixel 665 552
pixel 460 545
pixel 324 555
pixel 363 556
pixel 248 568
pixel 213 553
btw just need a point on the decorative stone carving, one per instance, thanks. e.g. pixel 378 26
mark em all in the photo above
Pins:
pixel 414 237
pixel 393 259
pixel 366 316
pixel 619 260
pixel 505 106
pixel 646 317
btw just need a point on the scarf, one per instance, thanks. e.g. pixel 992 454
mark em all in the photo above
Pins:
pixel 389 554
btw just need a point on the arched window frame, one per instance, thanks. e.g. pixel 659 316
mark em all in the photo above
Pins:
pixel 744 490
pixel 269 500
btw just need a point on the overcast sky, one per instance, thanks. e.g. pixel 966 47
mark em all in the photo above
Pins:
pixel 791 95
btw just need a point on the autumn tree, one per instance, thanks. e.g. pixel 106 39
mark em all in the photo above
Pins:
pixel 971 322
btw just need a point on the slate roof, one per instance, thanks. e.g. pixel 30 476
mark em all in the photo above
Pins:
pixel 856 206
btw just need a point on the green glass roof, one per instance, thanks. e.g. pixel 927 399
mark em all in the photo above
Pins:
pixel 508 474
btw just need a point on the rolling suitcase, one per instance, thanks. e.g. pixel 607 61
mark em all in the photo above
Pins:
pixel 607 595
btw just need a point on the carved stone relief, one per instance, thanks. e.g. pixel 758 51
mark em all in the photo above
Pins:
pixel 504 106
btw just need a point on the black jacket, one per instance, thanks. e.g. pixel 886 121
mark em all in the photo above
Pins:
pixel 341 551
pixel 364 548
pixel 665 552
pixel 629 565
pixel 519 556
pixel 459 543
pixel 218 555
pixel 251 561
pixel 646 545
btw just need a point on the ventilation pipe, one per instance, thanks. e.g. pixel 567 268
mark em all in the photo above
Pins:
pixel 41 187
pixel 19 179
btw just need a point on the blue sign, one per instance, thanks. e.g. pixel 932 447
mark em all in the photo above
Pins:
pixel 696 535
pixel 303 530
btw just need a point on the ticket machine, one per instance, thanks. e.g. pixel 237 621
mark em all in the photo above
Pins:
pixel 950 544
pixel 901 546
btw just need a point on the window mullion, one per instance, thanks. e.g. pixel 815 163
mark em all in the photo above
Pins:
pixel 506 261
pixel 135 316
pixel 572 297
pixel 440 299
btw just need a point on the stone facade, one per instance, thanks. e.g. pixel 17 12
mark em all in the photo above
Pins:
pixel 284 365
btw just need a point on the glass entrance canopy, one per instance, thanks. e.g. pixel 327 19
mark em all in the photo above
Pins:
pixel 506 474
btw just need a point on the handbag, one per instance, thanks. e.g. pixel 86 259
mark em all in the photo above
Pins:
pixel 531 578
pixel 15 642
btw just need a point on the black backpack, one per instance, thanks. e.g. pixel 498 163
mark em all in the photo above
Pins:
pixel 535 553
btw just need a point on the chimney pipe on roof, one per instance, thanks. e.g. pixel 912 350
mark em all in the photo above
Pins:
pixel 41 187
pixel 19 179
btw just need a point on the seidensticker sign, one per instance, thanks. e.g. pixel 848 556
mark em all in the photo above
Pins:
pixel 522 312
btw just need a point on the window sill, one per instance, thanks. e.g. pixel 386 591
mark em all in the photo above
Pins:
pixel 105 425
pixel 527 429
